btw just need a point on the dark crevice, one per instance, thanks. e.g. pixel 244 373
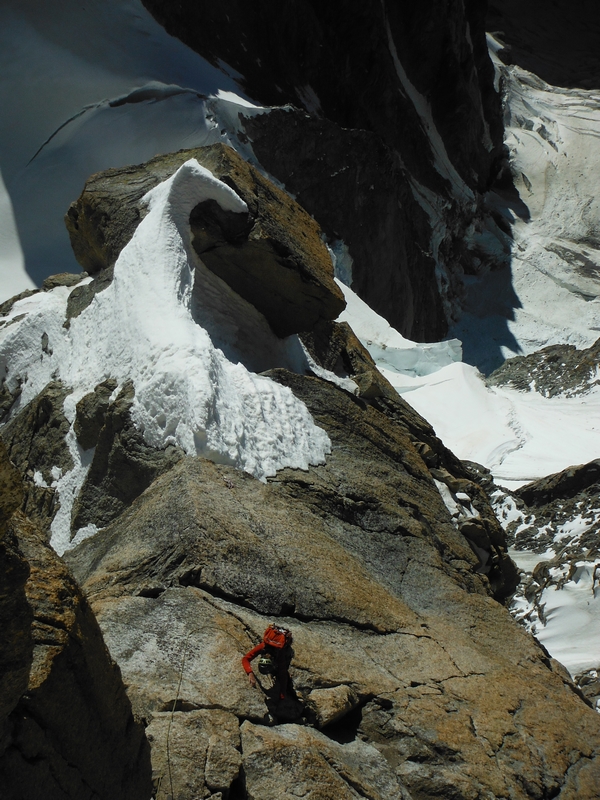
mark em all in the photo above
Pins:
pixel 345 730
pixel 237 790
pixel 219 594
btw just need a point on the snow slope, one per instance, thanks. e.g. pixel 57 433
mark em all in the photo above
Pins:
pixel 146 327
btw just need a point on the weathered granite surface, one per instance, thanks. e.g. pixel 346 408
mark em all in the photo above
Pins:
pixel 421 684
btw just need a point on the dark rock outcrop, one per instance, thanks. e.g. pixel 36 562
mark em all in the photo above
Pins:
pixel 563 485
pixel 66 727
pixel 273 256
pixel 16 643
pixel 82 296
pixel 403 134
pixel 35 441
pixel 557 369
pixel 557 41
pixel 123 465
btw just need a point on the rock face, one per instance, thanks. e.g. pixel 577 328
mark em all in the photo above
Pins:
pixel 339 60
pixel 272 256
pixel 122 465
pixel 66 728
pixel 16 645
pixel 359 191
pixel 35 441
pixel 422 685
pixel 398 139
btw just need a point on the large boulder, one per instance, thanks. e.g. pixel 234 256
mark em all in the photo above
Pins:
pixel 272 256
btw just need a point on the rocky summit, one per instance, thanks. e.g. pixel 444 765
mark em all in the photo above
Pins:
pixel 201 434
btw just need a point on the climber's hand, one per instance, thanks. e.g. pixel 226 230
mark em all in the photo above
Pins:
pixel 252 679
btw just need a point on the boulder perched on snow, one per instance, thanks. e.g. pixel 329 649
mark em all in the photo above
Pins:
pixel 271 254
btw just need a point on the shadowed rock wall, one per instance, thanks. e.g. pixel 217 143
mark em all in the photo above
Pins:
pixel 557 41
pixel 398 136
pixel 66 727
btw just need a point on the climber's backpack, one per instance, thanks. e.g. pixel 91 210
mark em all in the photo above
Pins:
pixel 277 637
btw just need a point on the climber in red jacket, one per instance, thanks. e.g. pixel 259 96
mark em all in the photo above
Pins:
pixel 276 649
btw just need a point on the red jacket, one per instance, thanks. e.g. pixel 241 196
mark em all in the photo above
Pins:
pixel 281 658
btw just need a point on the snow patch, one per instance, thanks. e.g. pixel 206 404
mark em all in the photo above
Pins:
pixel 389 348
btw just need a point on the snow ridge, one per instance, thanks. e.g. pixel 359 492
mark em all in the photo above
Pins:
pixel 141 328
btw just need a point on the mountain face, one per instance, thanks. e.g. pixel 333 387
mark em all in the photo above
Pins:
pixel 205 423
pixel 392 140
pixel 382 554
pixel 556 41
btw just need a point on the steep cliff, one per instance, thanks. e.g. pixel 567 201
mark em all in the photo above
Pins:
pixel 391 138
pixel 556 41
